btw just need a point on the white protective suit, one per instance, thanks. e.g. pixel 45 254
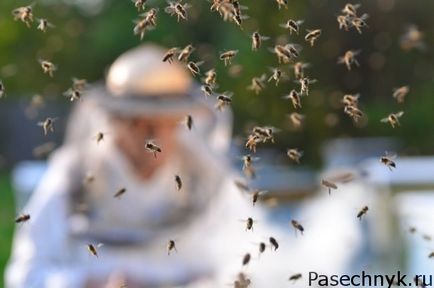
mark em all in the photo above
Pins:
pixel 204 219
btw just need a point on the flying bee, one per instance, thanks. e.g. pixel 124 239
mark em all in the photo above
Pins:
pixel 304 85
pixel 44 25
pixel 223 100
pixel 398 93
pixel 297 226
pixel 246 259
pixel 295 277
pixel 100 136
pixel 287 52
pixel 256 194
pixel 273 243
pixel 178 9
pixel 431 255
pixel 312 36
pixel 22 218
pixel 265 133
pixel 248 168
pixel 24 14
pixel 292 26
pixel 140 4
pixel 47 125
pixel 351 100
pixel 238 19
pixel 153 148
pixel 393 119
pixel 151 16
pixel 257 40
pixel 294 97
pixel 262 247
pixel 343 21
pixel 178 182
pixel 412 38
pixel 168 56
pixel 360 22
pixel 388 161
pixel 47 67
pixel 194 67
pixel 354 112
pixel 185 53
pixel 188 122
pixel 350 9
pixel 362 212
pixel 276 76
pixel 249 223
pixel 242 186
pixel 217 4
pixel 329 185
pixel 299 69
pixel 147 23
pixel 171 246
pixel 207 90
pixel 73 94
pixel 93 249
pixel 349 59
pixel 79 84
pixel 283 3
pixel 2 89
pixel 210 77
pixel 252 141
pixel 228 56
pixel 296 119
pixel 120 192
pixel 295 155
pixel 258 83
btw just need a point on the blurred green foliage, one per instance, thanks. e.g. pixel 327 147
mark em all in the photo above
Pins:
pixel 85 42
pixel 7 216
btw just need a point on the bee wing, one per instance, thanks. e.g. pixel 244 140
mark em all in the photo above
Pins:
pixel 390 155
pixel 228 94
pixel 99 245
pixel 284 25
pixel 265 38
pixel 400 113
pixel 311 81
pixel 384 120
pixel 299 22
pixel 199 63
pixel 364 16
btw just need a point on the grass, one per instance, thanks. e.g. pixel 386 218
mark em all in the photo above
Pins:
pixel 7 214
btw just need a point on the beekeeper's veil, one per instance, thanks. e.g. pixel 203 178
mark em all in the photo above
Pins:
pixel 138 84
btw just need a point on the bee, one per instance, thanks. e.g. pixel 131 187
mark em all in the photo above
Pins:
pixel 412 230
pixel 354 112
pixel 238 19
pixel 217 4
pixel 178 182
pixel 412 38
pixel 2 89
pixel 351 100
pixel 185 53
pixel 256 194
pixel 24 14
pixel 287 52
pixel 248 169
pixel 344 22
pixel 153 148
pixel 194 67
pixel 295 277
pixel 351 9
pixel 265 133
pixel 99 137
pixel 257 40
pixel 168 56
pixel 299 69
pixel 329 185
pixel 242 186
pixel 258 84
pixel 292 26
pixel 188 122
pixel 262 247
pixel 252 141
pixel 349 59
pixel 246 259
pixel 249 223
pixel 120 192
pixel 294 154
pixel 210 77
pixel 178 9
pixel 171 246
pixel 312 36
pixel 228 56
pixel 79 84
pixel 362 212
pixel 426 237
pixel 296 119
pixel 47 67
pixel 297 226
pixel 399 93
pixel 304 85
pixel 47 125
pixel 93 249
pixel 147 23
pixel 207 90
pixel 223 100
pixel 273 243
pixel 44 24
pixel 276 76
pixel 73 94
pixel 431 255
pixel 22 218
pixel 88 178
pixel 360 22
pixel 393 119
pixel 388 161
pixel 139 4
pixel 283 3
pixel 295 98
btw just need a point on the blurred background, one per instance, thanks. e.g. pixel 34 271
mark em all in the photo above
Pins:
pixel 89 34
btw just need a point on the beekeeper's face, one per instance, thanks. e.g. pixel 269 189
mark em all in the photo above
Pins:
pixel 131 135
